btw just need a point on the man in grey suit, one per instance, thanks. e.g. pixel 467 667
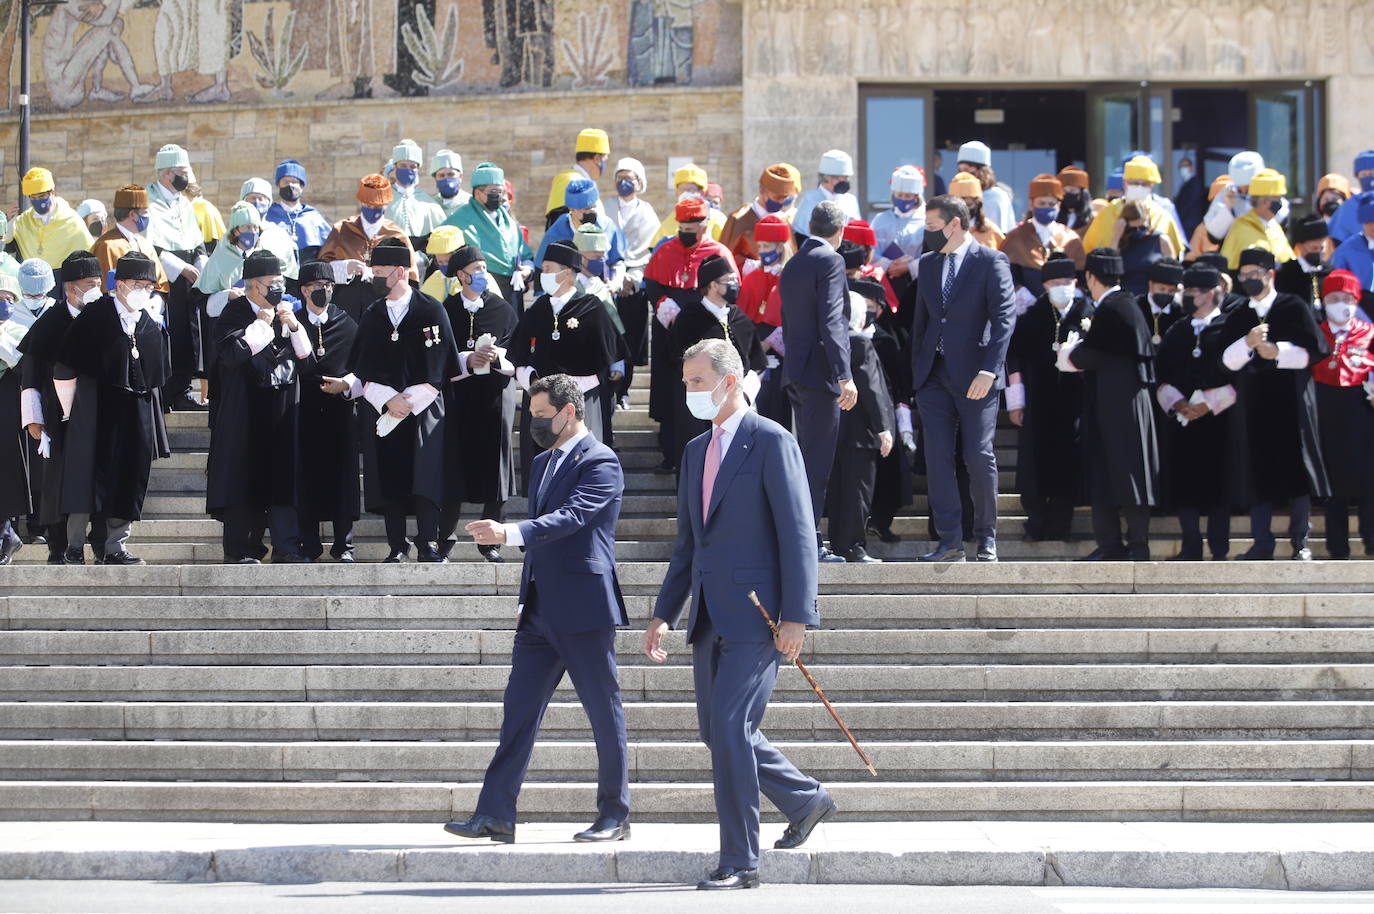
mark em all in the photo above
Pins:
pixel 815 334
pixel 960 329
pixel 743 517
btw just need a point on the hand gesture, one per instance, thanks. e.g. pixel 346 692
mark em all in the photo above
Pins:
pixel 1257 335
pixel 849 394
pixel 884 443
pixel 266 315
pixel 333 386
pixel 287 317
pixel 398 406
pixel 35 431
pixel 981 386
pixel 479 358
pixel 191 273
pixel 653 641
pixel 1267 350
pixel 789 640
pixel 1017 417
pixel 487 532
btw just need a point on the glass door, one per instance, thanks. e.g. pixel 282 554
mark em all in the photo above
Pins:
pixel 894 129
pixel 1282 132
pixel 1115 115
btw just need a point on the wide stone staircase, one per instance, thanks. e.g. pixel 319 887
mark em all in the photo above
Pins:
pixel 1031 689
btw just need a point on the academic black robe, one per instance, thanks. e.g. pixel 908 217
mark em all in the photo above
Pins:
pixel 1049 455
pixel 1291 279
pixel 409 462
pixel 894 487
pixel 1278 406
pixel 328 423
pixel 1202 464
pixel 116 426
pixel 15 498
pixel 693 325
pixel 1347 430
pixel 1121 459
pixel 40 347
pixel 874 412
pixel 481 409
pixel 1159 323
pixel 253 458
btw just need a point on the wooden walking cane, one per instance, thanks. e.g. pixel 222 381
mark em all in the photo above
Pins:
pixel 816 688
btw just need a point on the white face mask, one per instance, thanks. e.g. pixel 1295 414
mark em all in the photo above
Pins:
pixel 549 282
pixel 34 302
pixel 138 299
pixel 1185 174
pixel 1136 193
pixel 700 403
pixel 90 295
pixel 1060 296
pixel 1339 313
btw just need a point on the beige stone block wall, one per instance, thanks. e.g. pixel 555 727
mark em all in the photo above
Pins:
pixel 530 135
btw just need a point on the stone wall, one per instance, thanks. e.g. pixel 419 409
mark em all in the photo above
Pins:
pixel 804 59
pixel 531 135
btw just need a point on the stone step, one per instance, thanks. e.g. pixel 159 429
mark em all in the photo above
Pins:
pixel 677 721
pixel 372 550
pixel 1117 801
pixel 830 761
pixel 645 578
pixel 824 649
pixel 422 859
pixel 996 610
pixel 170 483
pixel 851 682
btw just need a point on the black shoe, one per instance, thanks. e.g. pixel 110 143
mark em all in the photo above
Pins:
pixel 728 878
pixel 944 554
pixel 396 557
pixel 244 560
pixel 825 555
pixel 73 557
pixel 884 534
pixel 36 539
pixel 184 404
pixel 491 554
pixel 1255 555
pixel 122 558
pixel 1301 553
pixel 987 550
pixel 480 826
pixel 860 556
pixel 11 544
pixel 290 558
pixel 1105 555
pixel 1187 555
pixel 797 832
pixel 346 558
pixel 1138 554
pixel 430 554
pixel 604 829
pixel 55 558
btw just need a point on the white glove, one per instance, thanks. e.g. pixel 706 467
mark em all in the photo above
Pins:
pixel 44 445
pixel 517 280
pixel 1023 300
pixel 909 440
pixel 667 311
pixel 773 361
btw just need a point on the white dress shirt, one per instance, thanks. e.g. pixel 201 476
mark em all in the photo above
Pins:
pixel 727 431
pixel 513 536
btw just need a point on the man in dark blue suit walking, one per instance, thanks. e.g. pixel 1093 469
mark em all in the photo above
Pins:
pixel 960 329
pixel 570 605
pixel 744 523
pixel 815 334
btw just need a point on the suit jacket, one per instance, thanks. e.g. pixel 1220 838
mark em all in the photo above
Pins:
pixel 570 539
pixel 758 535
pixel 815 317
pixel 976 325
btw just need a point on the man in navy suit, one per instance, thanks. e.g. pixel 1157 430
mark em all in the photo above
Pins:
pixel 815 335
pixel 960 329
pixel 744 523
pixel 570 605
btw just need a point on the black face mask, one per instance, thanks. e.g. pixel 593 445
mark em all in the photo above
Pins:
pixel 1189 304
pixel 96 228
pixel 179 183
pixel 493 201
pixel 935 240
pixel 1314 259
pixel 731 293
pixel 381 285
pixel 687 238
pixel 541 430
pixel 1162 300
pixel 320 298
pixel 841 187
pixel 587 218
pixel 1073 199
pixel 1252 287
pixel 290 193
pixel 1330 206
pixel 274 294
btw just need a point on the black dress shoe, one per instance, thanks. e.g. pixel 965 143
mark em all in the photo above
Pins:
pixel 122 558
pixel 885 534
pixel 480 826
pixel 797 832
pixel 55 558
pixel 728 878
pixel 491 554
pixel 1255 555
pixel 604 829
pixel 1138 554
pixel 944 554
pixel 291 558
pixel 987 550
pixel 823 554
pixel 73 557
pixel 9 547
pixel 396 557
pixel 860 556
pixel 1105 555
pixel 1187 556
pixel 36 539
pixel 431 555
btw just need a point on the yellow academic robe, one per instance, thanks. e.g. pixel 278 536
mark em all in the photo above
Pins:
pixel 1104 225
pixel 63 233
pixel 436 285
pixel 1251 231
pixel 210 221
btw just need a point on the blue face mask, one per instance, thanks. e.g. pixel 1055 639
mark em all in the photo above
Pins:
pixel 774 206
pixel 597 268
pixel 768 258
pixel 373 213
pixel 41 205
pixel 625 187
pixel 448 187
pixel 261 207
pixel 1367 184
pixel 479 282
pixel 406 177
pixel 6 309
pixel 248 240
pixel 904 204
pixel 141 223
pixel 1045 214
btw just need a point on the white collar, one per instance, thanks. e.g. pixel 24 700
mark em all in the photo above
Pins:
pixel 559 301
pixel 127 234
pixel 1044 232
pixel 167 195
pixel 731 423
pixel 1098 303
pixel 719 312
pixel 126 317
pixel 370 229
pixel 318 319
pixel 1262 305
pixel 1307 268
pixel 291 208
pixel 1200 322
pixel 963 247
pixel 74 312
pixel 399 306
pixel 472 305
pixel 762 211
pixel 566 447
pixel 586 174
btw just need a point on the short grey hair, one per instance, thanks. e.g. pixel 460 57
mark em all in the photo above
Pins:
pixel 827 219
pixel 724 358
